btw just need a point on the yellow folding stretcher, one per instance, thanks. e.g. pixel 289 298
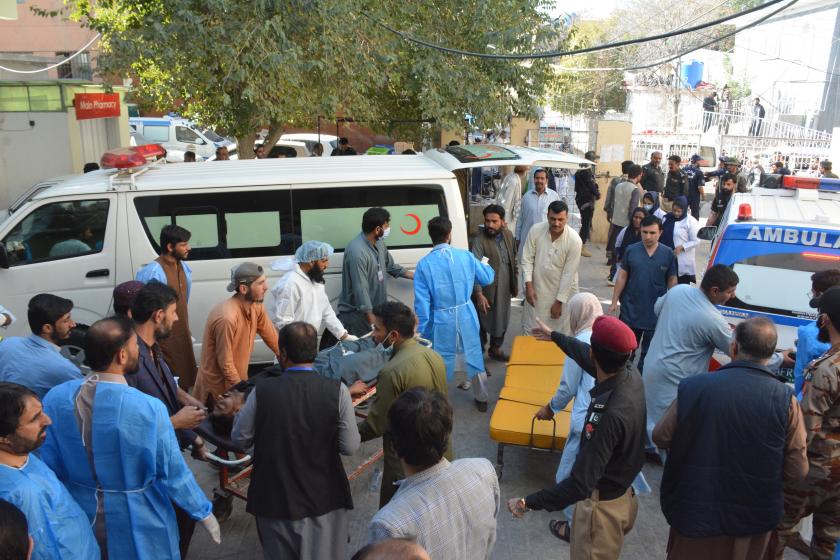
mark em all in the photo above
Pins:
pixel 533 375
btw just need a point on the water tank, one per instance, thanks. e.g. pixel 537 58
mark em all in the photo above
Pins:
pixel 691 73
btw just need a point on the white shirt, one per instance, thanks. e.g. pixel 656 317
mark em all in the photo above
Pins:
pixel 685 234
pixel 298 298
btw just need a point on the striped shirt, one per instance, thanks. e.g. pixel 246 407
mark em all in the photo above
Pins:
pixel 450 508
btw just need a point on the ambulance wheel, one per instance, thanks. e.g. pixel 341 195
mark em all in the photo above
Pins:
pixel 222 507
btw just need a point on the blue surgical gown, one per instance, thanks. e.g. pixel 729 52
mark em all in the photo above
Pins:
pixel 808 349
pixel 443 284
pixel 58 526
pixel 138 463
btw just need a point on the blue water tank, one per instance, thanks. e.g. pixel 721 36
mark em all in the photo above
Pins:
pixel 691 73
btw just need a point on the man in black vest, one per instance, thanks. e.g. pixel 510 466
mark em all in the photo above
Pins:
pixel 299 422
pixel 496 243
pixel 733 438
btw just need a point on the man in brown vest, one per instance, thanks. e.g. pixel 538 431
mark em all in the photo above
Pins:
pixel 496 244
pixel 170 269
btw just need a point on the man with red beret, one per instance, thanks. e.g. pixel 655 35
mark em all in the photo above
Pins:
pixel 612 450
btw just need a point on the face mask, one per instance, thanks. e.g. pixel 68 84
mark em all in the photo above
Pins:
pixel 387 350
pixel 386 232
pixel 648 207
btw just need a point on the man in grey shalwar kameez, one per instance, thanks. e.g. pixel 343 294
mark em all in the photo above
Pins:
pixel 305 515
pixel 688 329
pixel 496 243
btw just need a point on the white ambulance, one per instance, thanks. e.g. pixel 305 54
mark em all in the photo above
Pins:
pixel 775 239
pixel 79 236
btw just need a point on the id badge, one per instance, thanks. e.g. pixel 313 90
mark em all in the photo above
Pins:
pixel 380 276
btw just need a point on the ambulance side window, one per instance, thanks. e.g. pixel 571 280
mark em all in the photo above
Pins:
pixel 58 231
pixel 223 225
pixel 334 215
pixel 184 134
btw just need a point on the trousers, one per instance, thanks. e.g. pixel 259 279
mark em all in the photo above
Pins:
pixel 599 526
pixel 586 222
pixel 820 497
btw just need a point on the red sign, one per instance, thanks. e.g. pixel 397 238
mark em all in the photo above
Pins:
pixel 96 105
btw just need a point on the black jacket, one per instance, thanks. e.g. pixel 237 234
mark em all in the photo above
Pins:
pixel 724 471
pixel 612 447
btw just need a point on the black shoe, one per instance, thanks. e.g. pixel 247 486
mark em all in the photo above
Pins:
pixel 481 406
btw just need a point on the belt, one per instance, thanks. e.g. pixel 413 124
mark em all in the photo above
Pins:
pixel 454 307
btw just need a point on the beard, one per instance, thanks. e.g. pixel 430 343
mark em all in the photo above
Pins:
pixel 163 332
pixel 250 297
pixel 823 335
pixel 316 274
pixel 490 232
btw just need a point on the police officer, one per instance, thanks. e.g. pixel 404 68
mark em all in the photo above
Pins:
pixel 696 184
pixel 612 448
pixel 819 492
pixel 676 183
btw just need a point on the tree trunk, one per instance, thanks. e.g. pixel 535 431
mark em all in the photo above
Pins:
pixel 246 143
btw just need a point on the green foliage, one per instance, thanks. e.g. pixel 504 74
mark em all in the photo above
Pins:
pixel 241 65
pixel 589 92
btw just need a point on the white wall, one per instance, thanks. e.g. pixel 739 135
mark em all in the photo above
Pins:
pixel 31 154
pixel 772 57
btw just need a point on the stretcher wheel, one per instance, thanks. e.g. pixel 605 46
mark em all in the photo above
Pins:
pixel 222 506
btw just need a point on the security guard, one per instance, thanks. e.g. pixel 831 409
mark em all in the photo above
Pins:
pixel 612 449
pixel 819 492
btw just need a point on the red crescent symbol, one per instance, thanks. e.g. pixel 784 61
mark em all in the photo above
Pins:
pixel 416 229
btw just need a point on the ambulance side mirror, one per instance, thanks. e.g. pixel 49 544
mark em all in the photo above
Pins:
pixel 4 256
pixel 707 233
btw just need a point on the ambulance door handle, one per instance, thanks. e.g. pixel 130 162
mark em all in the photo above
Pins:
pixel 98 273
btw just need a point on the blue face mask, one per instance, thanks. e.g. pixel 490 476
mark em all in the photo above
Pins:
pixel 386 350
pixel 648 207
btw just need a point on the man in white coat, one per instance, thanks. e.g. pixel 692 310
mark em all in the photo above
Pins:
pixel 300 294
pixel 550 262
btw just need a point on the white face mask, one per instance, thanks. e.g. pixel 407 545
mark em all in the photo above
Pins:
pixel 386 232
pixel 648 207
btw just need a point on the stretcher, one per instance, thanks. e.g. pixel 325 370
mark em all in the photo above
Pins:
pixel 235 473
pixel 533 375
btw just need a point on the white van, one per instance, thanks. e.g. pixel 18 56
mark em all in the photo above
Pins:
pixel 108 222
pixel 180 135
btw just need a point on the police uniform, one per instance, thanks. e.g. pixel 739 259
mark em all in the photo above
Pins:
pixel 819 492
pixel 611 452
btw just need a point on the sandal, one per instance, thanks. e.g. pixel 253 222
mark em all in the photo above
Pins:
pixel 560 529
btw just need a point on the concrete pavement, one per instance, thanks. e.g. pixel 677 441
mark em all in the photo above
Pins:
pixel 525 471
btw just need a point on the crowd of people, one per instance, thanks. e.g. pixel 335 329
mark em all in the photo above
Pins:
pixel 91 448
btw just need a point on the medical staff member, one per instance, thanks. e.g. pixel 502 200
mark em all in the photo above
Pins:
pixel 366 262
pixel 58 526
pixel 443 284
pixel 126 481
pixel 300 294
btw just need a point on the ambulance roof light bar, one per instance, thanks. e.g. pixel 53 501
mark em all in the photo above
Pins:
pixel 796 182
pixel 131 158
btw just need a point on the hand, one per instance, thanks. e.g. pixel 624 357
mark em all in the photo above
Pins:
pixel 349 337
pixel 556 309
pixel 357 389
pixel 188 418
pixel 370 319
pixel 787 360
pixel 212 525
pixel 545 413
pixel 517 507
pixel 188 400
pixel 541 331
pixel 678 250
pixel 613 310
pixel 483 303
pixel 700 190
pixel 531 295
pixel 408 274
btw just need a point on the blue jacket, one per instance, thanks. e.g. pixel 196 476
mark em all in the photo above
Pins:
pixel 443 285
pixel 808 348
pixel 153 271
pixel 723 476
pixel 138 465
pixel 35 363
